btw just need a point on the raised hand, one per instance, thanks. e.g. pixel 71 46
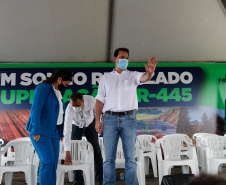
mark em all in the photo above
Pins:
pixel 150 68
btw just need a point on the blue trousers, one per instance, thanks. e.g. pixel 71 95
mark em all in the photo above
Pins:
pixel 47 149
pixel 92 137
pixel 115 127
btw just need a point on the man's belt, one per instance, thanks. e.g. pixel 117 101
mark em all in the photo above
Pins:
pixel 121 113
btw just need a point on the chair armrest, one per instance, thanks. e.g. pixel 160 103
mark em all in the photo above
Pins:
pixel 5 148
pixel 139 155
pixel 189 151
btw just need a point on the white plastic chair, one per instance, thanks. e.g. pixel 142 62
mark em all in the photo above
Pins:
pixel 82 159
pixel 62 157
pixel 185 169
pixel 202 150
pixel 214 152
pixel 24 154
pixel 10 155
pixel 184 148
pixel 146 142
pixel 173 148
pixel 198 137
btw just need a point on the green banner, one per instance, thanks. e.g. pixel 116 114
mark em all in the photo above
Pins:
pixel 181 97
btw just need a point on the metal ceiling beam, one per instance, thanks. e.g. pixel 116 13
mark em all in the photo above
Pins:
pixel 110 26
pixel 224 3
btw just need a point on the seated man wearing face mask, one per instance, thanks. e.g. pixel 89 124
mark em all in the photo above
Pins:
pixel 79 120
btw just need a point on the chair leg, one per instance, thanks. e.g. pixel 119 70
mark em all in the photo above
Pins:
pixel 154 166
pixel 8 178
pixel 220 167
pixel 194 169
pixel 161 173
pixel 25 175
pixel 28 178
pixel 34 174
pixel 1 174
pixel 89 176
pixel 185 169
pixel 146 165
pixel 71 176
pixel 160 177
pixel 207 167
pixel 140 174
pixel 213 168
pixel 60 176
pixel 166 171
pixel 92 175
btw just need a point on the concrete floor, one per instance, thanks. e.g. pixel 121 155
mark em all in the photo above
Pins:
pixel 18 178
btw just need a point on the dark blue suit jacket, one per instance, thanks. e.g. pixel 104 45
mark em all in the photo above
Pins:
pixel 44 112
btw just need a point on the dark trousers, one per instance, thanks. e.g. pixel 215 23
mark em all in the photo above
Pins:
pixel 92 137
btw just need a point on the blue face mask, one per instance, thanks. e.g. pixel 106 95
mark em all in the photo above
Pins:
pixel 122 63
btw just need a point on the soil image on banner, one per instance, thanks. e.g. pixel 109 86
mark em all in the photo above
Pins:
pixel 12 124
pixel 157 121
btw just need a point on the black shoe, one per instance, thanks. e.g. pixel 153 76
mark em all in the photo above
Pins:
pixel 77 183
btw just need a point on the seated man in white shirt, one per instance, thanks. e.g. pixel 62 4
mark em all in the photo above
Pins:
pixel 79 120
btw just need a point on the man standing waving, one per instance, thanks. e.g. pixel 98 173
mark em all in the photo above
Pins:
pixel 117 99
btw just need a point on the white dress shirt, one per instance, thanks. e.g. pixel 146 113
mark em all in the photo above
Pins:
pixel 118 92
pixel 61 111
pixel 81 119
